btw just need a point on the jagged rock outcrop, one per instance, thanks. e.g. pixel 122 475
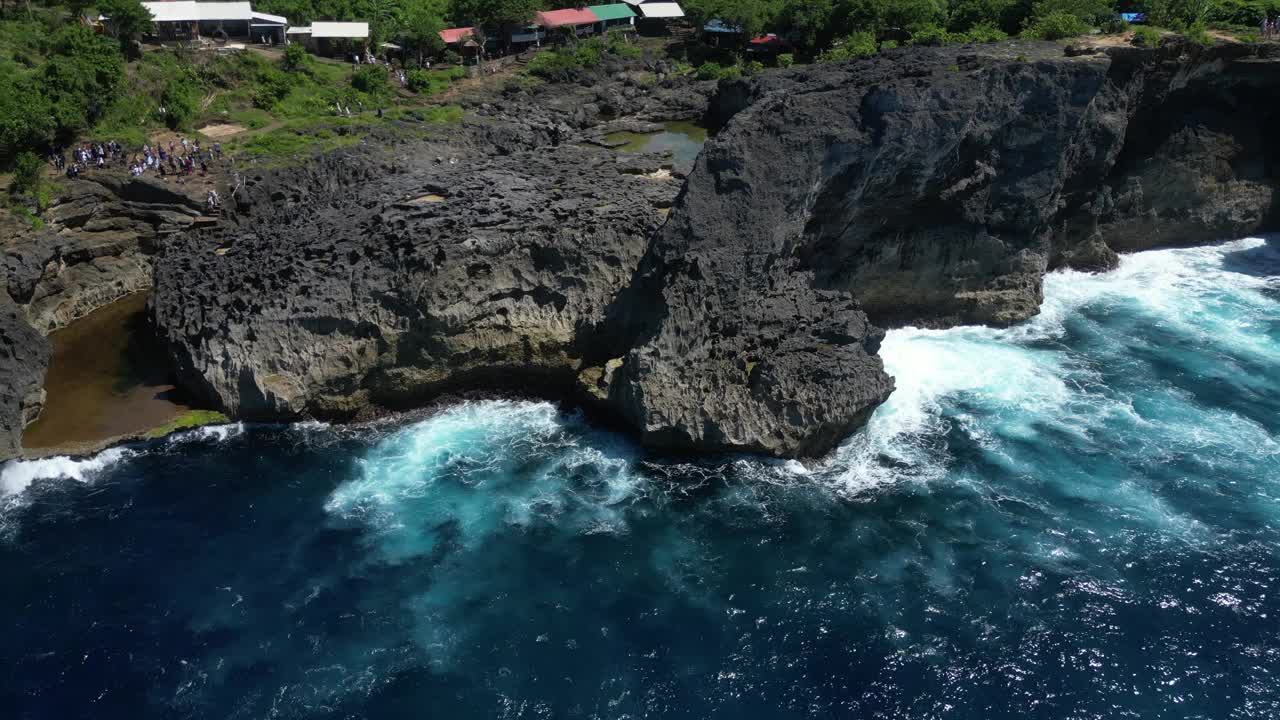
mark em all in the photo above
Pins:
pixel 96 249
pixel 938 186
pixel 24 356
pixel 360 279
pixel 930 186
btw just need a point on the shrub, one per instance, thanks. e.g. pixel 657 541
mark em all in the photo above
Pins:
pixel 296 57
pixel 587 56
pixel 710 71
pixel 1144 36
pixel 859 44
pixel 985 33
pixel 553 65
pixel 28 174
pixel 753 67
pixel 888 45
pixel 1055 25
pixel 181 102
pixel 273 86
pixel 452 57
pixel 1198 35
pixel 372 80
pixel 786 60
pixel 930 35
pixel 1114 25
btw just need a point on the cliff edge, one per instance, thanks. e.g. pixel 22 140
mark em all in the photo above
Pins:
pixel 926 186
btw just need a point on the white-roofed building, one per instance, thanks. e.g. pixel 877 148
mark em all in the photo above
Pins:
pixel 334 38
pixel 655 16
pixel 347 30
pixel 268 27
pixel 190 19
pixel 661 10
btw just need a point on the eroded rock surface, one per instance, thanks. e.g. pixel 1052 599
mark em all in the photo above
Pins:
pixel 939 186
pixel 24 356
pixel 932 186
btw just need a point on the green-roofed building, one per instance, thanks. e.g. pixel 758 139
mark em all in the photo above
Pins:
pixel 614 15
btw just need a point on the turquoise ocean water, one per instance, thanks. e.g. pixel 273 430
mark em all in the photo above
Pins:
pixel 1078 517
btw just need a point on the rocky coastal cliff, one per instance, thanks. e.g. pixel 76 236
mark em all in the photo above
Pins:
pixel 737 309
pixel 938 187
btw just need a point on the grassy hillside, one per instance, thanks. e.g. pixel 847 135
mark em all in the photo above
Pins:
pixel 60 82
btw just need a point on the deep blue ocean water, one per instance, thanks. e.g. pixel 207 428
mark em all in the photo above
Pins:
pixel 1078 517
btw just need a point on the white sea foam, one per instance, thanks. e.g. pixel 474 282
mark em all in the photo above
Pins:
pixel 999 384
pixel 207 433
pixel 17 475
pixel 483 468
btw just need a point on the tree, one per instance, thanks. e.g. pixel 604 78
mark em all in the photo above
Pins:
pixel 126 21
pixel 501 14
pixel 420 28
pixel 80 77
pixel 26 115
pixel 28 174
pixel 808 23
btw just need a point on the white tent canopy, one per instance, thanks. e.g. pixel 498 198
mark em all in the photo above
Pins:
pixel 191 11
pixel 661 10
pixel 339 29
pixel 265 19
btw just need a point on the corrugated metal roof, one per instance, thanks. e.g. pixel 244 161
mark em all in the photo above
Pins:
pixel 340 29
pixel 661 10
pixel 558 18
pixel 190 11
pixel 277 19
pixel 453 35
pixel 616 11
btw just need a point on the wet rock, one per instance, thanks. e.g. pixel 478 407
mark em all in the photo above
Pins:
pixel 24 357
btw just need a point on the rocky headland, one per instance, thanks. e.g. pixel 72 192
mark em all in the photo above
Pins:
pixel 732 306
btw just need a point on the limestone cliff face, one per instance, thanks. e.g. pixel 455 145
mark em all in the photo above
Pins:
pixel 938 186
pixel 930 186
pixel 358 279
pixel 24 356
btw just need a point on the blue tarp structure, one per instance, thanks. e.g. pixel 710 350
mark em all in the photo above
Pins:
pixel 720 26
pixel 1132 18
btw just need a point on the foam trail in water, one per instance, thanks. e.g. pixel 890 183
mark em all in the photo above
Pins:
pixel 17 475
pixel 207 433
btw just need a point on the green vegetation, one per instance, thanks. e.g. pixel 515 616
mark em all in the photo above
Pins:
pixel 716 71
pixel 27 174
pixel 564 62
pixel 859 44
pixel 1055 25
pixel 188 420
pixel 127 20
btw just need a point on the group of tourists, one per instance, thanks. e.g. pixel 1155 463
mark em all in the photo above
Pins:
pixel 183 159
pixel 1270 28
pixel 84 156
pixel 171 162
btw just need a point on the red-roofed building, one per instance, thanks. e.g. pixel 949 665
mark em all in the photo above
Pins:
pixel 561 18
pixel 453 36
pixel 770 40
pixel 768 44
